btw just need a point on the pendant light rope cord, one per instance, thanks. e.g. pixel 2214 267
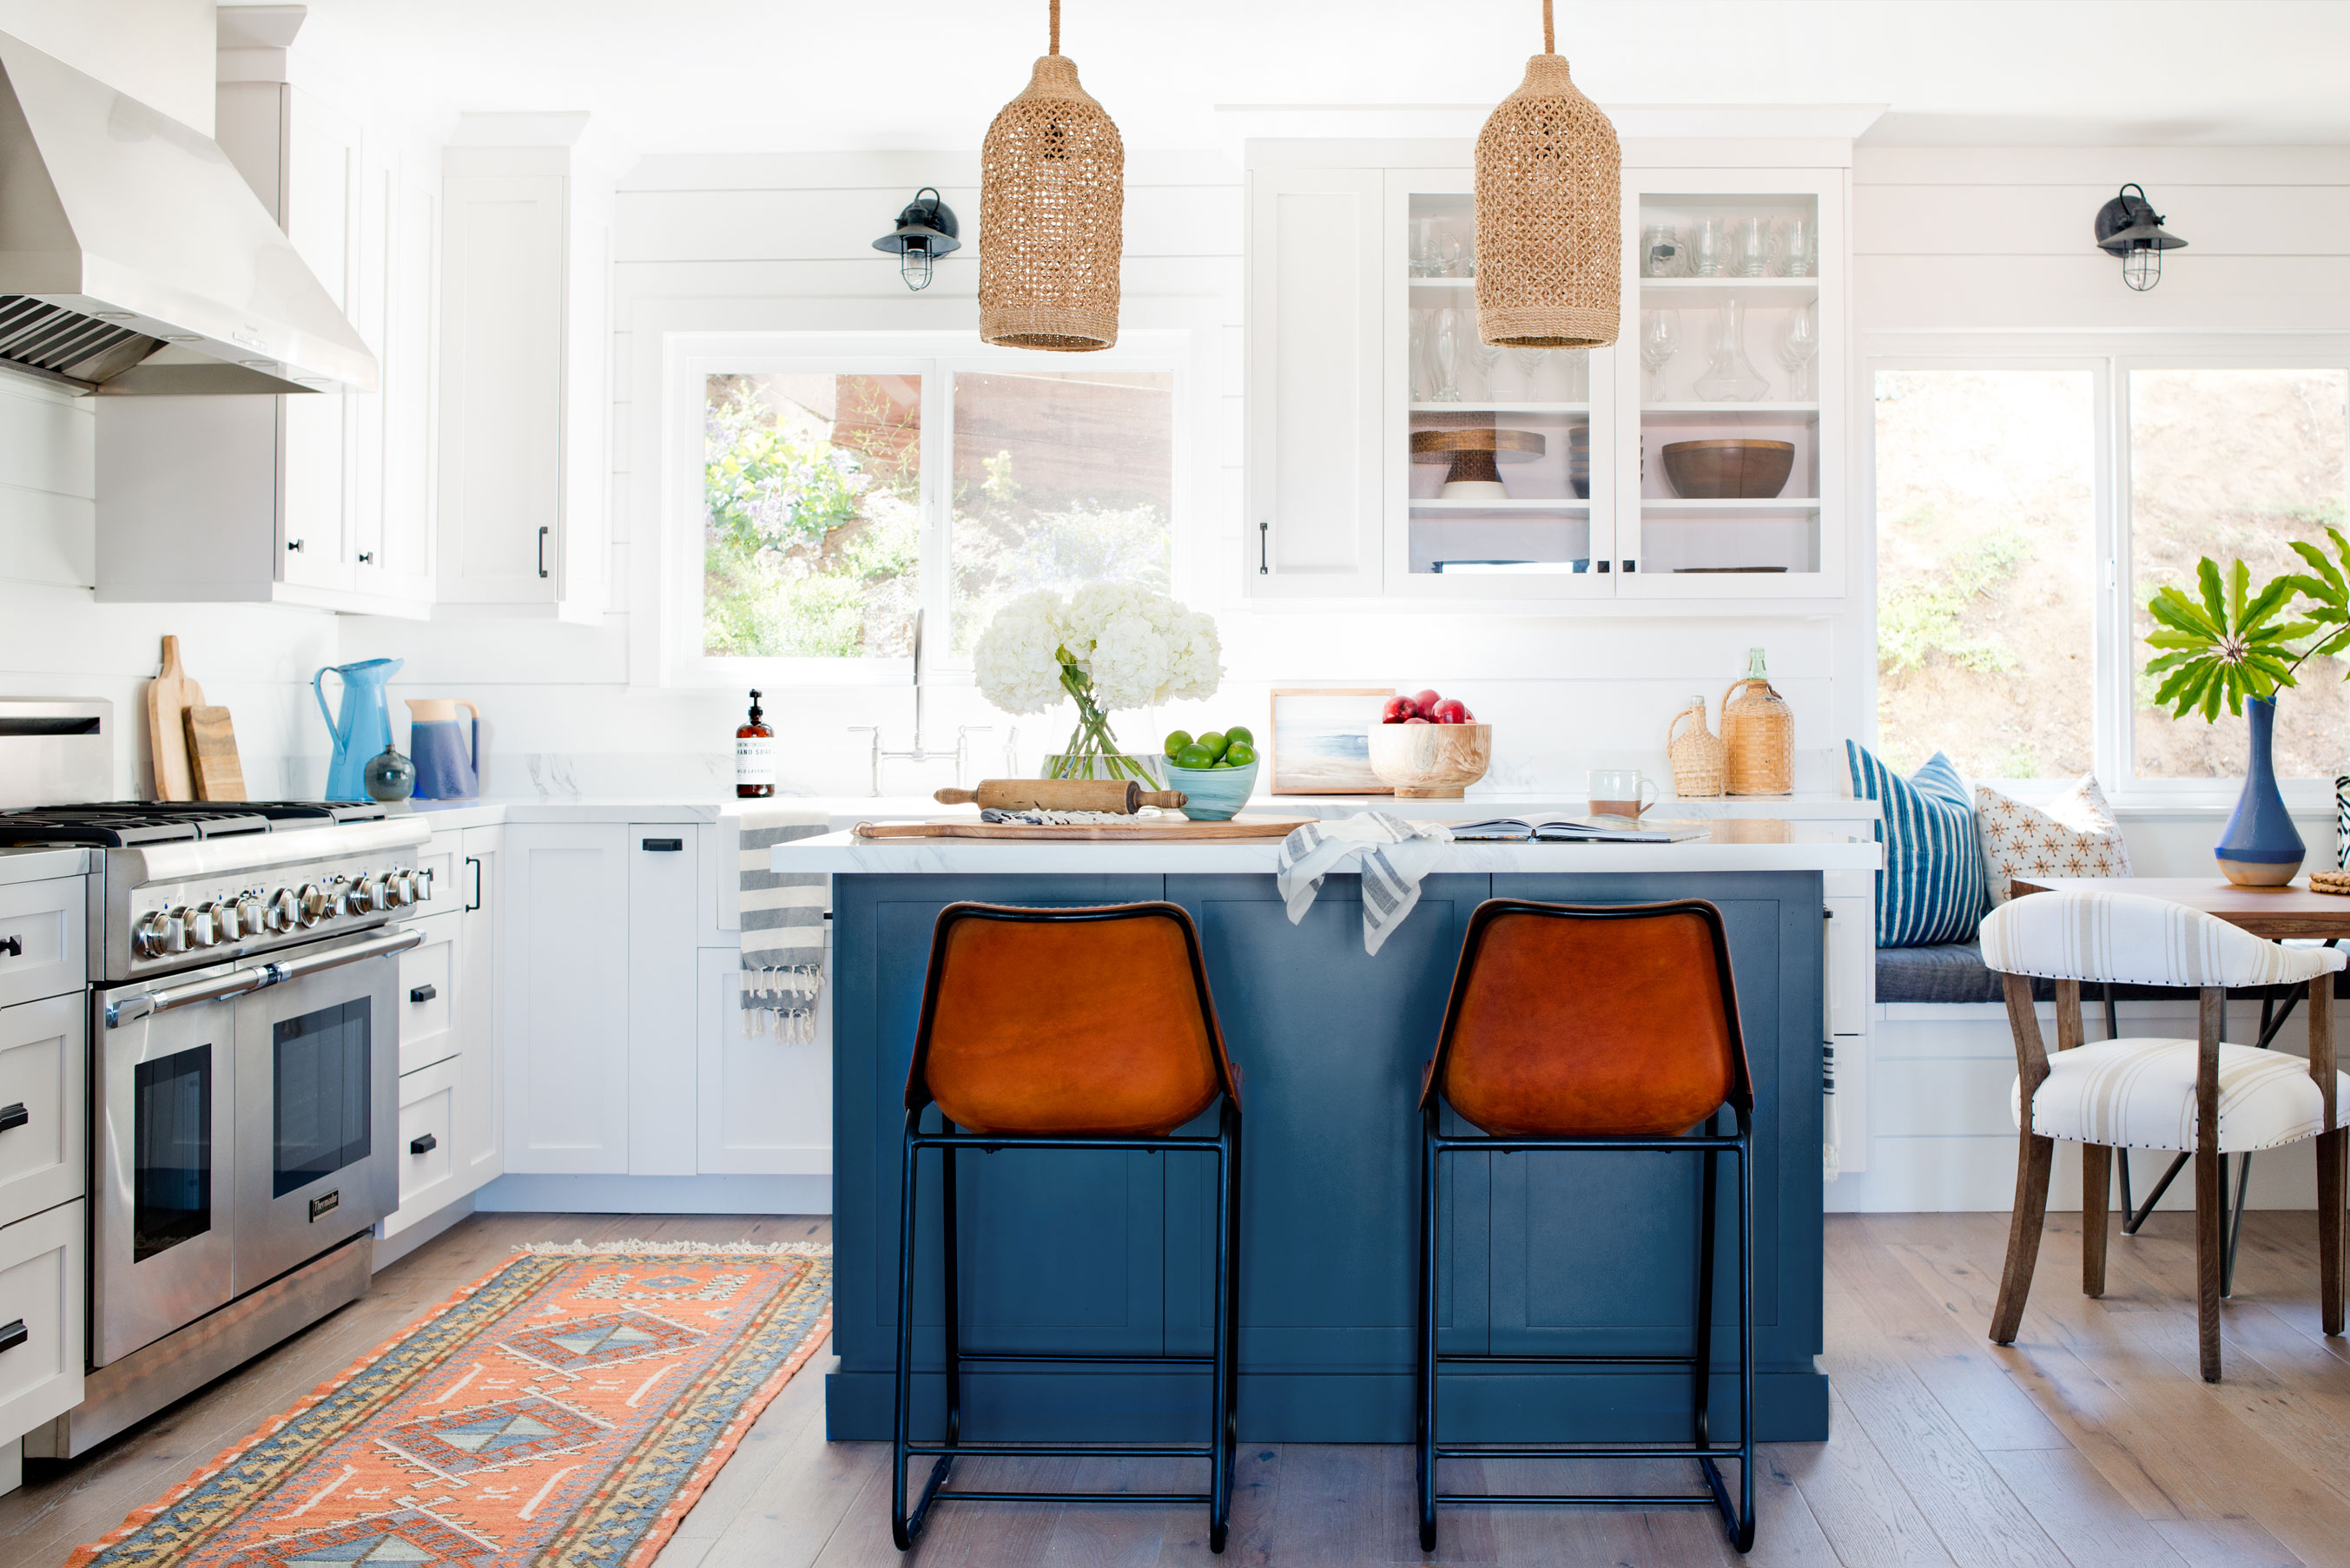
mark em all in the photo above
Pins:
pixel 1550 42
pixel 1056 25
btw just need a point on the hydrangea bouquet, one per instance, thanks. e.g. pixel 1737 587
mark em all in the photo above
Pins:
pixel 1107 646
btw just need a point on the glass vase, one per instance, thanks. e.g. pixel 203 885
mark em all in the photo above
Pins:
pixel 1729 375
pixel 1092 751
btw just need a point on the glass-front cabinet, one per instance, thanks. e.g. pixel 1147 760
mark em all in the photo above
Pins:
pixel 1699 459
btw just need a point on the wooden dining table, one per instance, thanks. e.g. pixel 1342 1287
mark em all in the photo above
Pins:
pixel 2292 909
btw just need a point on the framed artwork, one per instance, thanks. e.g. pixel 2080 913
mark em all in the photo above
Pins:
pixel 1321 740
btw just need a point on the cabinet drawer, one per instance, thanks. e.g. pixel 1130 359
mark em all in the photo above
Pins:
pixel 427 979
pixel 450 880
pixel 41 1288
pixel 41 938
pixel 43 1062
pixel 427 1118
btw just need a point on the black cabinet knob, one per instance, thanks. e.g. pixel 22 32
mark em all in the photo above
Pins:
pixel 423 1145
pixel 14 1116
pixel 670 846
pixel 12 946
pixel 14 1334
pixel 422 993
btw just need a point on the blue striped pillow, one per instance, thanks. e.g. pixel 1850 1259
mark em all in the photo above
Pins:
pixel 1931 887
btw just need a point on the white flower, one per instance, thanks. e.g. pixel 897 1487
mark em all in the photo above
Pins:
pixel 1018 660
pixel 1131 663
pixel 1139 649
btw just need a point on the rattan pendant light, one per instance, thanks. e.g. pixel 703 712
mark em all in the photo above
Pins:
pixel 1051 195
pixel 1549 228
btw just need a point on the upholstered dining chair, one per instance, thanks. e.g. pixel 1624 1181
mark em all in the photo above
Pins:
pixel 2200 1096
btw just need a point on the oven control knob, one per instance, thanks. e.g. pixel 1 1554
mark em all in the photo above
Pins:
pixel 252 918
pixel 228 921
pixel 311 905
pixel 280 909
pixel 159 932
pixel 399 887
pixel 202 925
pixel 371 895
pixel 422 882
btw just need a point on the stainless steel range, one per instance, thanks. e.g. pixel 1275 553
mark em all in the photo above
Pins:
pixel 244 962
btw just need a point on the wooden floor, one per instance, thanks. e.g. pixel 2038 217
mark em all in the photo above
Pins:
pixel 2091 1440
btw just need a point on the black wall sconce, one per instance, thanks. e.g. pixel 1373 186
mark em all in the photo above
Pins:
pixel 926 231
pixel 2128 227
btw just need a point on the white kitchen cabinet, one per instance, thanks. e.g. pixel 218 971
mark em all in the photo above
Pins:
pixel 1316 352
pixel 662 883
pixel 526 350
pixel 41 1275
pixel 43 1058
pixel 321 498
pixel 765 1103
pixel 566 998
pixel 479 1113
pixel 428 1146
pixel 428 995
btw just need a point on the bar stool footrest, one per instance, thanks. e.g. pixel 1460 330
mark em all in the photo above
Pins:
pixel 1732 1451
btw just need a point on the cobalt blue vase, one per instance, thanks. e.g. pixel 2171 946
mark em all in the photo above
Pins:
pixel 2260 847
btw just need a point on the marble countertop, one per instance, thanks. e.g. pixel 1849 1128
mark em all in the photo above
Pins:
pixel 1734 844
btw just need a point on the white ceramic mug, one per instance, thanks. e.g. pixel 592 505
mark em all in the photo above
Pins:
pixel 1616 791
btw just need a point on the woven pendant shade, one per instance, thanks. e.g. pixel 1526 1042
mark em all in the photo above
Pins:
pixel 1052 194
pixel 1549 228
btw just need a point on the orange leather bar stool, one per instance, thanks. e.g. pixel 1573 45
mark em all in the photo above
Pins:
pixel 1065 1029
pixel 1596 1029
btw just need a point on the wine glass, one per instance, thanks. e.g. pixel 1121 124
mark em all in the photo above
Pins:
pixel 1447 343
pixel 1797 348
pixel 1484 356
pixel 1661 339
pixel 1530 364
pixel 1422 377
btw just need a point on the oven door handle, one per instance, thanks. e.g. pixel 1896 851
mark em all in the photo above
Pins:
pixel 240 981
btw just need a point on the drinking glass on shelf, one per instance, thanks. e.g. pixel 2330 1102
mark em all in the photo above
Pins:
pixel 1422 256
pixel 1661 251
pixel 1803 247
pixel 1578 374
pixel 1751 247
pixel 1422 357
pixel 1530 366
pixel 1449 254
pixel 1709 250
pixel 1730 377
pixel 1797 348
pixel 1661 339
pixel 1446 361
pixel 1484 356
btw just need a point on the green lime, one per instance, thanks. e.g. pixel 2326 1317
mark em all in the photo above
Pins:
pixel 1177 740
pixel 1241 734
pixel 1214 740
pixel 1195 755
pixel 1239 754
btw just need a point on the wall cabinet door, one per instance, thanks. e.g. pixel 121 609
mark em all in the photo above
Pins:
pixel 394 525
pixel 478 1117
pixel 765 1103
pixel 566 1002
pixel 319 211
pixel 1315 382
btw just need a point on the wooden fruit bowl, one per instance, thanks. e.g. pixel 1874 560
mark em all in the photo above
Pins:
pixel 1430 762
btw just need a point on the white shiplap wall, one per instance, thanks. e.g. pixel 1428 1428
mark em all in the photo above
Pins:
pixel 56 642
pixel 785 241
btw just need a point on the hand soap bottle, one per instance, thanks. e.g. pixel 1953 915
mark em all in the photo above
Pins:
pixel 755 756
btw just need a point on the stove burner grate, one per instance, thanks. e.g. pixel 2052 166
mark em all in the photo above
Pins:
pixel 117 823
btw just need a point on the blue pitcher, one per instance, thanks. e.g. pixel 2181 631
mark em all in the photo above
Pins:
pixel 448 754
pixel 365 727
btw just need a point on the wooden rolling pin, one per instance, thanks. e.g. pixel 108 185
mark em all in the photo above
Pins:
pixel 1061 794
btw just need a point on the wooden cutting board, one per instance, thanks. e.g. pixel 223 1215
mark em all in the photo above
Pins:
pixel 1142 829
pixel 169 697
pixel 212 755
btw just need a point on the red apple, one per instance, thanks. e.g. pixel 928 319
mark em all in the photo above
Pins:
pixel 1451 711
pixel 1416 721
pixel 1426 701
pixel 1399 710
pixel 1467 717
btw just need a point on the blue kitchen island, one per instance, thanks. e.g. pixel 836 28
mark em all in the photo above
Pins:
pixel 1111 1252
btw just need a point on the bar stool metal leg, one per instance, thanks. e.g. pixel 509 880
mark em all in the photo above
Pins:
pixel 902 1528
pixel 1423 1404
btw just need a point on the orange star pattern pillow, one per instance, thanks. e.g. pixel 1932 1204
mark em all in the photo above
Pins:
pixel 2072 835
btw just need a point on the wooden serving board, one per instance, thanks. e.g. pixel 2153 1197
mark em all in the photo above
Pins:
pixel 1142 828
pixel 169 697
pixel 212 755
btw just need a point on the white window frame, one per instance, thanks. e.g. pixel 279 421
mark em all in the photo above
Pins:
pixel 2109 358
pixel 693 356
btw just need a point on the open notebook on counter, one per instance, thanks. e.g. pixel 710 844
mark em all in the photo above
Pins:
pixel 1576 830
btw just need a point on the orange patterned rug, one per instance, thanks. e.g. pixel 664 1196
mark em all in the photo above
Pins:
pixel 568 1408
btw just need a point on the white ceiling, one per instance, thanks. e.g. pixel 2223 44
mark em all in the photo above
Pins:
pixel 676 75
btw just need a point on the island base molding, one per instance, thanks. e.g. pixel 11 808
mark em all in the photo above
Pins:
pixel 1790 1406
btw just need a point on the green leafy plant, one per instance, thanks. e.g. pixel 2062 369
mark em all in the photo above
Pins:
pixel 2328 592
pixel 2232 645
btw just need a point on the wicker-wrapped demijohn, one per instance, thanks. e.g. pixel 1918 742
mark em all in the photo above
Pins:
pixel 1052 196
pixel 1696 752
pixel 1549 227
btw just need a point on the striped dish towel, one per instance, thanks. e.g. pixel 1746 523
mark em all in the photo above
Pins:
pixel 783 928
pixel 1391 855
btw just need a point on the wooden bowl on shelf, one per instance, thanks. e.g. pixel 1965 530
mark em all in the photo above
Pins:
pixel 1430 762
pixel 1739 470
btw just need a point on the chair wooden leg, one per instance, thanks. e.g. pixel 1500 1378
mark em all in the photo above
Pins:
pixel 2096 1180
pixel 2331 1148
pixel 2033 1157
pixel 2211 1233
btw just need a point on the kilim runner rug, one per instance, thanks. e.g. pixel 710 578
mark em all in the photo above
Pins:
pixel 567 1408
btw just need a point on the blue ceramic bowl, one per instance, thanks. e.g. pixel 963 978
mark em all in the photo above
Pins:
pixel 1215 792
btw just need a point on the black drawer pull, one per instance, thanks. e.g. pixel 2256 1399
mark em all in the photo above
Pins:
pixel 665 844
pixel 15 1334
pixel 423 1145
pixel 12 946
pixel 422 993
pixel 14 1116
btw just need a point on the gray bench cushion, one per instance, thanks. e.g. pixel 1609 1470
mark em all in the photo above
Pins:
pixel 1955 972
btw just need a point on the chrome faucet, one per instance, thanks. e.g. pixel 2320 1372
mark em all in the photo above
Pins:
pixel 921 753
